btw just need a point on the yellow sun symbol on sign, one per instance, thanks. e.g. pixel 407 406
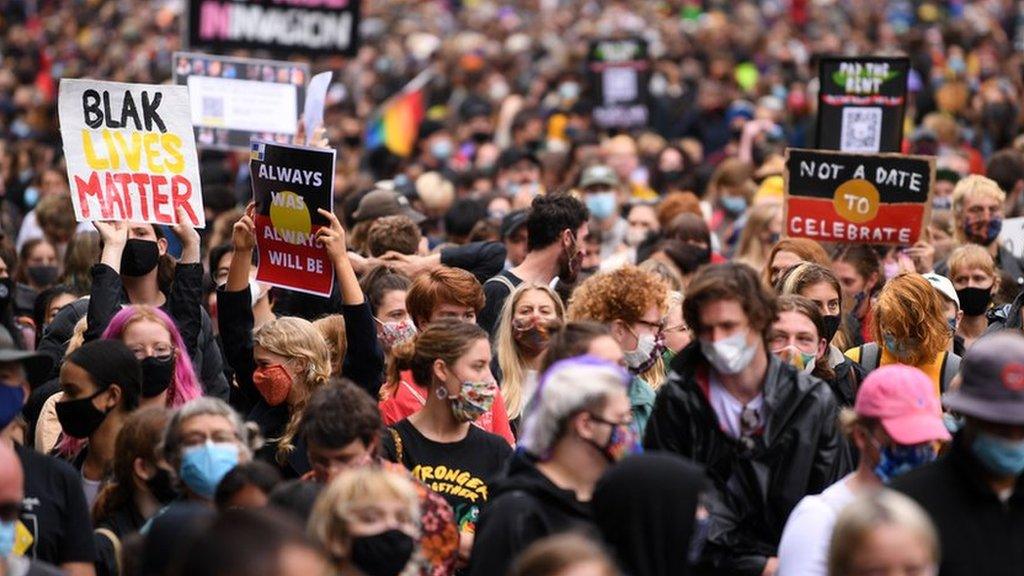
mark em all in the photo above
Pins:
pixel 290 217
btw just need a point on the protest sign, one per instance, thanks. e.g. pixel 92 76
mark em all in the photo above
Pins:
pixel 861 103
pixel 310 27
pixel 130 152
pixel 1012 236
pixel 857 198
pixel 289 184
pixel 619 72
pixel 234 100
pixel 313 109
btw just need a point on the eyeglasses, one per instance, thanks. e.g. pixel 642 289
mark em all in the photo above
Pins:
pixel 160 351
pixel 656 326
pixel 676 328
pixel 218 437
pixel 750 423
pixel 10 511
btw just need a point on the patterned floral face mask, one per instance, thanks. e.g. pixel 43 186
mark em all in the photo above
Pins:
pixel 393 333
pixel 474 400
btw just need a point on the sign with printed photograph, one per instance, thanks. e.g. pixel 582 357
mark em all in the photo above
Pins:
pixel 861 102
pixel 857 198
pixel 130 152
pixel 619 72
pixel 234 100
pixel 285 27
pixel 289 184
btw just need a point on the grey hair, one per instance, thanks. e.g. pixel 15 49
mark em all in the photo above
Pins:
pixel 204 406
pixel 869 512
pixel 569 387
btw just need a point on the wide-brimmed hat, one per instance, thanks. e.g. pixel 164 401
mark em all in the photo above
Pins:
pixel 992 380
pixel 37 366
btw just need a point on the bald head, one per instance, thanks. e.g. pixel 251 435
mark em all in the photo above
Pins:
pixel 12 480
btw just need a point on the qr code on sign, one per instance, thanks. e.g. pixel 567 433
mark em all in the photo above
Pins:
pixel 213 107
pixel 861 130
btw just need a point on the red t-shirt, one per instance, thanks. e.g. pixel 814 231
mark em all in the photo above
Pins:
pixel 409 397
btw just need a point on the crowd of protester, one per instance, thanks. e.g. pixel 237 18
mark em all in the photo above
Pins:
pixel 551 349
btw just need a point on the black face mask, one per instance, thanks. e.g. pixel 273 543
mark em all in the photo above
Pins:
pixel 161 486
pixel 157 374
pixel 481 137
pixel 6 288
pixel 44 276
pixel 139 258
pixel 831 326
pixel 353 141
pixel 80 418
pixel 974 301
pixel 384 554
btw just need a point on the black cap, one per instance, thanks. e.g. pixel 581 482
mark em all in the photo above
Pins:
pixel 429 127
pixel 36 365
pixel 513 156
pixel 513 221
pixel 474 106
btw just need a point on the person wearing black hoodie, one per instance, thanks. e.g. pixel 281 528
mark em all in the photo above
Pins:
pixel 654 527
pixel 581 425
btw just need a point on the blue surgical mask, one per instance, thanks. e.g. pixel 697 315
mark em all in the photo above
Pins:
pixel 896 460
pixel 942 203
pixel 1001 456
pixel 601 204
pixel 441 149
pixel 7 533
pixel 897 348
pixel 204 466
pixel 733 205
pixel 12 398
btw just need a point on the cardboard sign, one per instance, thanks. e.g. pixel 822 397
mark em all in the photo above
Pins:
pixel 234 100
pixel 619 73
pixel 861 104
pixel 289 184
pixel 857 198
pixel 310 27
pixel 130 152
pixel 1012 236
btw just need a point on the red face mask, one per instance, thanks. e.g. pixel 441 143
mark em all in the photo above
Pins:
pixel 273 383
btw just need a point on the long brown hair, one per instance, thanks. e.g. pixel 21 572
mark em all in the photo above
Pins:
pixel 140 437
pixel 447 340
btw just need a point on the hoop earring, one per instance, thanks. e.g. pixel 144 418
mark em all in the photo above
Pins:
pixel 441 392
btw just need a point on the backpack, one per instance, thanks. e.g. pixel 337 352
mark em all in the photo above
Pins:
pixel 870 355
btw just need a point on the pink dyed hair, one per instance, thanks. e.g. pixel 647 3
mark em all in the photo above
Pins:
pixel 185 385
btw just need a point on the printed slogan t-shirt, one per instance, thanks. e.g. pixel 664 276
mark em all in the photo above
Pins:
pixel 460 471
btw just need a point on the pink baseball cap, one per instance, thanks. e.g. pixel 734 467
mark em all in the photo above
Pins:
pixel 903 399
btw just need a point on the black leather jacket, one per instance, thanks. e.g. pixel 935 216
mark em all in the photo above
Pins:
pixel 800 451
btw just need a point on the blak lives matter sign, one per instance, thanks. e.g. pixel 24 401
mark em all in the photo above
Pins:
pixel 861 102
pixel 289 184
pixel 619 72
pixel 857 198
pixel 311 27
pixel 130 152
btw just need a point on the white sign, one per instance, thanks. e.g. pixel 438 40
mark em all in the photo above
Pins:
pixel 1012 236
pixel 130 150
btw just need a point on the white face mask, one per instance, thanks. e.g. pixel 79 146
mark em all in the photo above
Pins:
pixel 729 355
pixel 644 350
pixel 635 236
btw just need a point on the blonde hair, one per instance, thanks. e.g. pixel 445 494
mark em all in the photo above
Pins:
pixel 332 328
pixel 510 361
pixel 971 256
pixel 870 512
pixel 295 338
pixel 78 336
pixel 909 308
pixel 972 185
pixel 327 522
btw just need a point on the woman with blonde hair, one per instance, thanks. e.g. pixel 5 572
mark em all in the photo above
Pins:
pixel 280 364
pixel 633 303
pixel 730 191
pixel 790 252
pixel 883 532
pixel 760 232
pixel 367 520
pixel 909 327
pixel 976 280
pixel 530 315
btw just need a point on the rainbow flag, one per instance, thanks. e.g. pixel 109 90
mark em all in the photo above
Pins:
pixel 397 123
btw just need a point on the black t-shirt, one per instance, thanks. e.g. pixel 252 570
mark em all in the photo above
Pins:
pixel 495 293
pixel 54 510
pixel 460 471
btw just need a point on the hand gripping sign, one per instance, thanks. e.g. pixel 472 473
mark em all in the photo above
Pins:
pixel 130 152
pixel 857 198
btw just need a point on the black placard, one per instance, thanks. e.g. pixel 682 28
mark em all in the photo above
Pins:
pixel 619 72
pixel 861 102
pixel 284 27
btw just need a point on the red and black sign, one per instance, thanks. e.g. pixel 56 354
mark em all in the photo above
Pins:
pixel 861 103
pixel 857 198
pixel 289 184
